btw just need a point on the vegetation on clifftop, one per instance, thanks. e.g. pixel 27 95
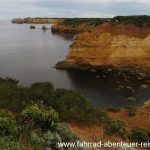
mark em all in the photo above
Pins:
pixel 136 20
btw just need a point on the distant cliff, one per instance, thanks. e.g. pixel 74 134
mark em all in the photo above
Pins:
pixel 77 25
pixel 37 20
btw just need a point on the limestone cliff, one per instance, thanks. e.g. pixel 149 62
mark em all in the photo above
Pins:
pixel 37 20
pixel 106 49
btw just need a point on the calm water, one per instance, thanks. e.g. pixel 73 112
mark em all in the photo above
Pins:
pixel 29 56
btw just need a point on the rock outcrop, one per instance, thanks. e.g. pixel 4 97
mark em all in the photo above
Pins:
pixel 37 20
pixel 60 28
pixel 107 49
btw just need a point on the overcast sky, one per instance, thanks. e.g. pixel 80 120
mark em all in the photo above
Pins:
pixel 72 8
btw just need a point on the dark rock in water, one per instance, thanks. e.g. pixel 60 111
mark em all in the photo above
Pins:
pixel 132 99
pixel 129 88
pixel 147 81
pixel 32 27
pixel 44 28
pixel 66 65
pixel 92 70
pixel 120 87
pixel 144 86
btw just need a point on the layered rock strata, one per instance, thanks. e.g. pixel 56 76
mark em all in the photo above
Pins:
pixel 107 49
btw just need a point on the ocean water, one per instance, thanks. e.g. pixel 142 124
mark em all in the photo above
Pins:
pixel 29 56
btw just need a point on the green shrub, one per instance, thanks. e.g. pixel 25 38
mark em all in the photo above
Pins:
pixel 71 105
pixel 9 81
pixel 7 143
pixel 105 119
pixel 36 141
pixel 131 111
pixel 65 133
pixel 9 126
pixel 140 135
pixel 136 20
pixel 51 140
pixel 41 116
pixel 44 86
pixel 117 127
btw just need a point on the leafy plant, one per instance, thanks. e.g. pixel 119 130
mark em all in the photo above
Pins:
pixel 41 116
pixel 8 126
pixel 8 143
pixel 117 127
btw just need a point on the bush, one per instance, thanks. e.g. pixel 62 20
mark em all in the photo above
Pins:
pixel 7 143
pixel 136 20
pixel 9 81
pixel 36 141
pixel 70 105
pixel 8 126
pixel 131 111
pixel 117 127
pixel 41 116
pixel 44 86
pixel 65 133
pixel 140 135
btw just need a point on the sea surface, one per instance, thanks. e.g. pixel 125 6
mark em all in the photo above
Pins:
pixel 29 55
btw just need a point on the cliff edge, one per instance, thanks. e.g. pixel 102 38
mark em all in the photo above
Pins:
pixel 97 49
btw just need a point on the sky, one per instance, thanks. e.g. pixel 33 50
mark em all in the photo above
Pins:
pixel 72 8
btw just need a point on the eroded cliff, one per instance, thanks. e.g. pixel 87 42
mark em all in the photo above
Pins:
pixel 104 49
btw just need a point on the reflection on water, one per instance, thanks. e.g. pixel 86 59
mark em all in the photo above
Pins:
pixel 105 91
pixel 29 56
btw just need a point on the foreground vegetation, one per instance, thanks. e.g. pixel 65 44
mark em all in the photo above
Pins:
pixel 32 118
pixel 136 20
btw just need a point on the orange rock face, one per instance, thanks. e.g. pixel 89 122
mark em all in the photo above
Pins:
pixel 104 48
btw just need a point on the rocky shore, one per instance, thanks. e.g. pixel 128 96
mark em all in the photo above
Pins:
pixel 128 81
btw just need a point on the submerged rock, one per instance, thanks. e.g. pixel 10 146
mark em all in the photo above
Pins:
pixel 144 86
pixel 44 28
pixel 132 98
pixel 32 27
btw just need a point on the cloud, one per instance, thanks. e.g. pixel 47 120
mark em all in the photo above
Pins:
pixel 72 8
pixel 95 15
